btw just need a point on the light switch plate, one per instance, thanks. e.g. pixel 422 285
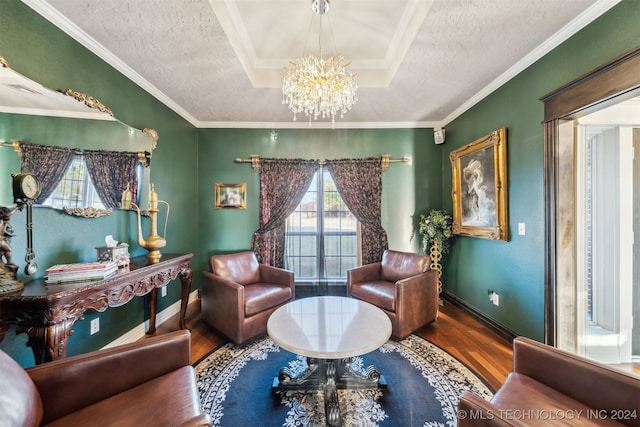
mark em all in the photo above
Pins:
pixel 522 229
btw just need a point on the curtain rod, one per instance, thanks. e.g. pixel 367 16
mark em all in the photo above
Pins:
pixel 143 156
pixel 15 144
pixel 254 159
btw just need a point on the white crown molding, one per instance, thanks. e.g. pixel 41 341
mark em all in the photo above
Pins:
pixel 304 124
pixel 585 18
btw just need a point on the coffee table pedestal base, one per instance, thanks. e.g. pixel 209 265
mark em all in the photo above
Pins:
pixel 329 375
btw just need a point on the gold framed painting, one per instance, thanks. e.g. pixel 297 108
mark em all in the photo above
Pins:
pixel 231 195
pixel 479 187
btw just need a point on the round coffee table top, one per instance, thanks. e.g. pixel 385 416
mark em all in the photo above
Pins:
pixel 329 327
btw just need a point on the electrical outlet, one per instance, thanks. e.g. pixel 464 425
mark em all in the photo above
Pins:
pixel 95 326
pixel 163 292
pixel 494 297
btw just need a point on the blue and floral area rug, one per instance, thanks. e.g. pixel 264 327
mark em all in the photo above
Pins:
pixel 424 386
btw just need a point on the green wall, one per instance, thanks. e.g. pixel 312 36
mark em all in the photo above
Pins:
pixel 402 196
pixel 515 269
pixel 42 52
pixel 189 161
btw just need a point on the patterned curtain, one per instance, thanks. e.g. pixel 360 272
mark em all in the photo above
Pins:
pixel 283 183
pixel 48 163
pixel 359 182
pixel 110 172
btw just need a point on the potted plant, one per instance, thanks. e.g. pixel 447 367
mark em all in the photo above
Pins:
pixel 436 232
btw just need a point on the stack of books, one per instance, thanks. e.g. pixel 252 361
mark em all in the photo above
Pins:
pixel 81 271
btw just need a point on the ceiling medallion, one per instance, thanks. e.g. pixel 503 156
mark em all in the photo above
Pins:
pixel 319 87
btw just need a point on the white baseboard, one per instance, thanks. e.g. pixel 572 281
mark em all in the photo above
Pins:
pixel 139 331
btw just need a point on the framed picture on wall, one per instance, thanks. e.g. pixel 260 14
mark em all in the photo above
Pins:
pixel 479 190
pixel 231 195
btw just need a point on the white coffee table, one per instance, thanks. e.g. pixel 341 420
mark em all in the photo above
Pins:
pixel 329 331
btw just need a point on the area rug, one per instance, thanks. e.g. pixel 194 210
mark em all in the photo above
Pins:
pixel 424 386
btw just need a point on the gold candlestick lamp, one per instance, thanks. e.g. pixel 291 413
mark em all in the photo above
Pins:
pixel 154 242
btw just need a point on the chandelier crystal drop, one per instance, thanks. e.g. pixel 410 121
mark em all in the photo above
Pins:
pixel 319 87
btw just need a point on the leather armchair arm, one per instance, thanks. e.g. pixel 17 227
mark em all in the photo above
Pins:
pixel 364 273
pixel 225 298
pixel 67 385
pixel 423 285
pixel 591 383
pixel 473 410
pixel 275 275
pixel 416 302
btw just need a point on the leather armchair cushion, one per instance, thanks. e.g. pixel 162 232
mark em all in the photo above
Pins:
pixel 377 292
pixel 20 402
pixel 242 268
pixel 399 265
pixel 262 296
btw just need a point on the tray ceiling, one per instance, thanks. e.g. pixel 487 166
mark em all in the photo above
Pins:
pixel 420 63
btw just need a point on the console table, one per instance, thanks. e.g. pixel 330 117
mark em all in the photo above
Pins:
pixel 46 313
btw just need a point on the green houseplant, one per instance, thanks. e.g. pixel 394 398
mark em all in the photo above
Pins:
pixel 436 232
pixel 435 228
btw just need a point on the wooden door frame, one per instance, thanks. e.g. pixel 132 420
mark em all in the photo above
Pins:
pixel 613 82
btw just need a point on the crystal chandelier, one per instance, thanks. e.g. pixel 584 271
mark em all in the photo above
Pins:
pixel 319 87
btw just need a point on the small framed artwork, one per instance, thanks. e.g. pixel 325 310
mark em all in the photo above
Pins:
pixel 479 190
pixel 231 195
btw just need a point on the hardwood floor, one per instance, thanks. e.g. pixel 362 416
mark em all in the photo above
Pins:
pixel 485 352
pixel 488 354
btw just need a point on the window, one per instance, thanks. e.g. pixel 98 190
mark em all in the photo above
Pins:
pixel 75 190
pixel 321 235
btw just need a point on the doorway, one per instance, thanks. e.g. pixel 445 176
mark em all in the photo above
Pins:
pixel 610 84
pixel 605 212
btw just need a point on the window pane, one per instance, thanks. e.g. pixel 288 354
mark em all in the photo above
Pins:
pixel 322 216
pixel 308 268
pixel 349 245
pixel 293 222
pixel 332 245
pixel 332 267
pixel 308 245
pixel 75 190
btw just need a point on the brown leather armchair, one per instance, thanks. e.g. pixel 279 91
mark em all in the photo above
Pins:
pixel 554 387
pixel 146 383
pixel 239 294
pixel 402 285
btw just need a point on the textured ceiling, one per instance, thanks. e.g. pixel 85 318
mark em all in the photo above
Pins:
pixel 219 63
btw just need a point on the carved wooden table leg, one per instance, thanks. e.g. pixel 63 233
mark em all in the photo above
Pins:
pixel 48 342
pixel 186 276
pixel 153 308
pixel 329 376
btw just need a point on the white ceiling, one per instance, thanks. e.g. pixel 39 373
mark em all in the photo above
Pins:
pixel 420 63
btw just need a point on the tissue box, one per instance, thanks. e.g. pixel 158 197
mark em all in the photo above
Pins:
pixel 118 253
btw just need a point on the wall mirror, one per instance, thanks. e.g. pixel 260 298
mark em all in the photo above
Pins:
pixel 33 114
